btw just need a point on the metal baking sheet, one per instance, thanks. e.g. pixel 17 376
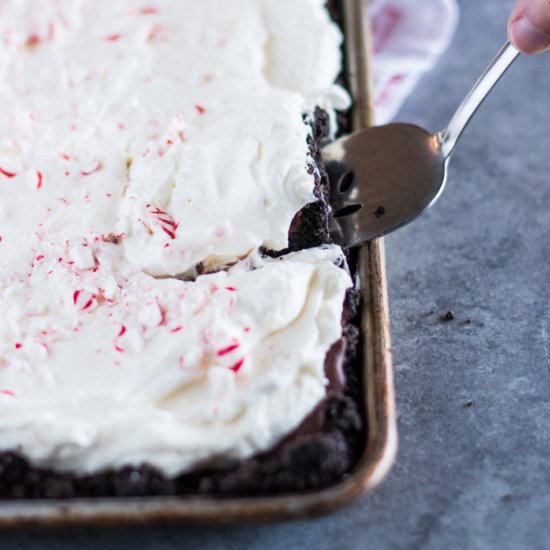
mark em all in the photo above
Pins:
pixel 381 444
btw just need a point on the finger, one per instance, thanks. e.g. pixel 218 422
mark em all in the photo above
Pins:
pixel 529 26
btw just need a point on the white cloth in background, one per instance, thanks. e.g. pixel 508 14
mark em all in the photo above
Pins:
pixel 409 37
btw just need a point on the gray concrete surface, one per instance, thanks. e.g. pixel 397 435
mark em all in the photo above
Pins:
pixel 473 469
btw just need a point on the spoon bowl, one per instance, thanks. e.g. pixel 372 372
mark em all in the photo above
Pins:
pixel 381 179
pixel 384 177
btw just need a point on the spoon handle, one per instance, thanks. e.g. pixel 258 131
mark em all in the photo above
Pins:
pixel 474 99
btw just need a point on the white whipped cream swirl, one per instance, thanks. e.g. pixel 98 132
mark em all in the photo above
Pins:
pixel 137 140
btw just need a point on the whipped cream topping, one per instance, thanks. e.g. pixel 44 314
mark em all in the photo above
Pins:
pixel 130 369
pixel 138 140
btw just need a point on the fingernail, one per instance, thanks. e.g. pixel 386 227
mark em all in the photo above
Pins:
pixel 527 37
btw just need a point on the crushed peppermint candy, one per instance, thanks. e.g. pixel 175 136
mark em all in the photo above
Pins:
pixel 7 173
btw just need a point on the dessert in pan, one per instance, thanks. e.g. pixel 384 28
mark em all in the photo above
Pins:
pixel 173 318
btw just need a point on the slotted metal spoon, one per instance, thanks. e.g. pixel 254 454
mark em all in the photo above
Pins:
pixel 384 177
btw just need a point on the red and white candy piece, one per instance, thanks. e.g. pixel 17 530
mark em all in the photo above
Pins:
pixel 84 300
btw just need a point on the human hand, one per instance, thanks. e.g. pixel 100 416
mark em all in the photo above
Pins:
pixel 529 26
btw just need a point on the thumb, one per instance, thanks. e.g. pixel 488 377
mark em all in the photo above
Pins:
pixel 529 26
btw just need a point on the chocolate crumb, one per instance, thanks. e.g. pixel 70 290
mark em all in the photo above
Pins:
pixel 112 238
pixel 449 316
pixel 380 211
